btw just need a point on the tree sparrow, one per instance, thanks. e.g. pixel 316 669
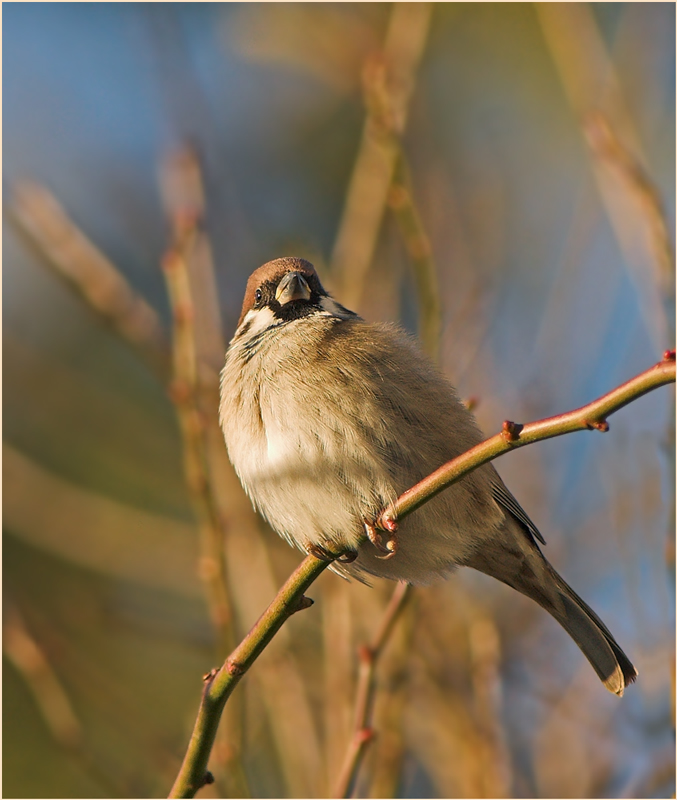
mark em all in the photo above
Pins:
pixel 328 418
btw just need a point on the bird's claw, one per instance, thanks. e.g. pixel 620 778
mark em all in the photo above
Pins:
pixel 387 547
pixel 347 557
pixel 323 554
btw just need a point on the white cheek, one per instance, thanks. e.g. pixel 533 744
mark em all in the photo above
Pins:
pixel 259 319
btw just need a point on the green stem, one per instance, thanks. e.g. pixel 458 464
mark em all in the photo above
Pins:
pixel 219 686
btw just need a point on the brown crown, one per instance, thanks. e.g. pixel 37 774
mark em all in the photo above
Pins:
pixel 272 271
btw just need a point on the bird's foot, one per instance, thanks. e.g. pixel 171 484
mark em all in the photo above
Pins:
pixel 387 547
pixel 347 557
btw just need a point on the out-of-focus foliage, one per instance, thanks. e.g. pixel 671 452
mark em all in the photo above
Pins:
pixel 552 287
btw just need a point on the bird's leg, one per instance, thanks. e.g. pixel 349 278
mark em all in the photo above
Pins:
pixel 323 554
pixel 389 547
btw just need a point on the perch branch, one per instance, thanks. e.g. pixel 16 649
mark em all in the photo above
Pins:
pixel 589 417
pixel 220 683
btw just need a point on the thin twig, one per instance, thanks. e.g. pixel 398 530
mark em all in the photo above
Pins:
pixel 589 417
pixel 366 688
pixel 78 261
pixel 221 683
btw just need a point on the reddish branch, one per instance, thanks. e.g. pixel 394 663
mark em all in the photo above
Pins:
pixel 220 684
pixel 592 416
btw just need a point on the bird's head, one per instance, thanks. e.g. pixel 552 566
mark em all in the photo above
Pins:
pixel 284 290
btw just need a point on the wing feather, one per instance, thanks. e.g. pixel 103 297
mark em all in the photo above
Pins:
pixel 503 497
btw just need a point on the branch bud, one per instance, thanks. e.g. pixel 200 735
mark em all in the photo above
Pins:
pixel 511 431
pixel 599 425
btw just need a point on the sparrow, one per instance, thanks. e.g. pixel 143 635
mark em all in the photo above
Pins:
pixel 328 418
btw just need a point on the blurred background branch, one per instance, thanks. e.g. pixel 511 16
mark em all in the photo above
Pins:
pixel 389 81
pixel 596 96
pixel 420 254
pixel 22 650
pixel 368 656
pixel 40 216
pixel 608 149
pixel 630 197
pixel 184 393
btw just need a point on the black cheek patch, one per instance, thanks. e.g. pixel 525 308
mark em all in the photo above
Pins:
pixel 245 329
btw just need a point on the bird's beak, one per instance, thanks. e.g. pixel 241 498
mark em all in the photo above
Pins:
pixel 292 287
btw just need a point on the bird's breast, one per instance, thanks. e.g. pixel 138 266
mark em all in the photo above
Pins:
pixel 266 434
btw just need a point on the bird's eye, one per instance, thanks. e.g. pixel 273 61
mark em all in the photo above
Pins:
pixel 258 295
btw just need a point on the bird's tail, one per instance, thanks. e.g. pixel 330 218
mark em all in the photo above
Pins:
pixel 603 652
pixel 531 574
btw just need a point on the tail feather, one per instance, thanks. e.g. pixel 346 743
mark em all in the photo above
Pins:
pixel 526 570
pixel 593 637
